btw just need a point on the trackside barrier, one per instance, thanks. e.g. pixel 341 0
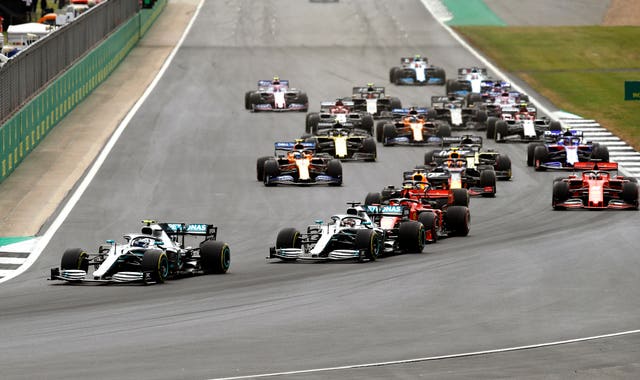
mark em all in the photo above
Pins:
pixel 22 132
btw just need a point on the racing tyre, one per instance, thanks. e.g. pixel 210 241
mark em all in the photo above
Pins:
pixel 488 178
pixel 441 74
pixel 312 123
pixel 428 156
pixel 530 151
pixel 75 258
pixel 254 99
pixel 155 261
pixel 432 114
pixel 540 156
pixel 368 242
pixel 369 146
pixel 473 98
pixel 491 127
pixel 601 153
pixel 502 131
pixel 334 169
pixel 395 103
pixel 429 221
pixel 271 169
pixel 247 100
pixel 303 99
pixel 215 257
pixel 555 126
pixel 457 220
pixel 460 197
pixel 379 131
pixel 560 194
pixel 367 123
pixel 481 116
pixel 411 236
pixel 630 193
pixel 503 163
pixel 289 238
pixel 373 199
pixel 260 167
pixel 444 131
pixel 388 132
pixel 393 75
pixel 451 86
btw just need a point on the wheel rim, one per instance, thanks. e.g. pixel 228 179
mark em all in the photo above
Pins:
pixel 225 257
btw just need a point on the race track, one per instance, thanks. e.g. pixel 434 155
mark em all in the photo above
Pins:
pixel 526 274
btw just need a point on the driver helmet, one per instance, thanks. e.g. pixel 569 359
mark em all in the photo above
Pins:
pixel 417 57
pixel 348 222
pixel 413 119
pixel 339 103
pixel 276 80
pixel 142 243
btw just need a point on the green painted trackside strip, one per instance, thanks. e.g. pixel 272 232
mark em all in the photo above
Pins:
pixel 472 12
pixel 11 240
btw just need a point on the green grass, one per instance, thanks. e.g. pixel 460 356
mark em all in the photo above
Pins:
pixel 580 69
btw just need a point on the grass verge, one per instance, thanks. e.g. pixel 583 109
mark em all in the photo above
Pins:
pixel 582 70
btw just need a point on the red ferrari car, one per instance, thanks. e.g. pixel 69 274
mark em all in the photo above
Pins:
pixel 595 189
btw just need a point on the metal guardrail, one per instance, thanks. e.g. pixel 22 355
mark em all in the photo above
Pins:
pixel 27 73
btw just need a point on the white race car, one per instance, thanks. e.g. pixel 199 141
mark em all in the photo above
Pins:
pixel 152 256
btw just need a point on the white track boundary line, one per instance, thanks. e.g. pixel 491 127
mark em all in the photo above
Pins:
pixel 432 358
pixel 71 203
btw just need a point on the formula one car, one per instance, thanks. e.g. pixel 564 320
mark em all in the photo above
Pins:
pixel 469 148
pixel 595 189
pixel 341 111
pixel 412 126
pixel 372 99
pixel 276 95
pixel 453 173
pixel 562 150
pixel 344 141
pixel 297 163
pixel 350 236
pixel 156 254
pixel 473 79
pixel 417 71
pixel 520 130
pixel 453 110
pixel 442 213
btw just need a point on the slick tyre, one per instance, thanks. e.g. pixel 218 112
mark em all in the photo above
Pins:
pixel 502 131
pixel 430 223
pixel 215 257
pixel 600 153
pixel 155 262
pixel 488 178
pixel 411 236
pixel 367 124
pixel 368 242
pixel 560 194
pixel 379 131
pixel 369 146
pixel 460 197
pixel 491 128
pixel 530 152
pixel 444 131
pixel 260 167
pixel 388 133
pixel 503 164
pixel 247 100
pixel 312 123
pixel 630 193
pixel 540 157
pixel 271 169
pixel 395 103
pixel 373 199
pixel 334 169
pixel 289 238
pixel 75 258
pixel 457 220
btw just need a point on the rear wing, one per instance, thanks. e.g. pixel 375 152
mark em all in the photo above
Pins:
pixel 386 210
pixel 292 145
pixel 595 165
pixel 473 140
pixel 364 90
pixel 269 82
pixel 407 111
pixel 346 103
pixel 407 60
pixel 469 70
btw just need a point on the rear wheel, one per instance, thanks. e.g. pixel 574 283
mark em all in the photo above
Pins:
pixel 155 261
pixel 393 75
pixel 395 103
pixel 457 220
pixel 373 199
pixel 75 258
pixel 503 163
pixel 303 99
pixel 247 100
pixel 601 153
pixel 428 156
pixel 444 131
pixel 367 123
pixel 555 126
pixel 481 116
pixel 368 242
pixel 560 194
pixel 215 257
pixel 379 131
pixel 411 236
pixel 460 197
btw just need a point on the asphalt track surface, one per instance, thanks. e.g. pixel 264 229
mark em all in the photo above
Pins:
pixel 524 275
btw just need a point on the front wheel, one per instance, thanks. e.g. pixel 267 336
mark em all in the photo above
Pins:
pixel 75 258
pixel 155 261
pixel 367 241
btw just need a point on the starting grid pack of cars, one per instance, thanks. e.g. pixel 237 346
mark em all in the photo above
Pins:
pixel 431 201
